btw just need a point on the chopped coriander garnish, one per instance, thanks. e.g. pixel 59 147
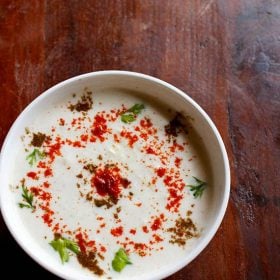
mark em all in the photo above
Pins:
pixel 130 115
pixel 128 118
pixel 61 245
pixel 120 260
pixel 35 156
pixel 198 188
pixel 27 198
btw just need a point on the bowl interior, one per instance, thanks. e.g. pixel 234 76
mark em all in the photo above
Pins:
pixel 212 149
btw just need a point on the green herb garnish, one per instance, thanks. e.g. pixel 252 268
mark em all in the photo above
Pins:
pixel 35 156
pixel 120 260
pixel 61 245
pixel 199 188
pixel 27 198
pixel 130 115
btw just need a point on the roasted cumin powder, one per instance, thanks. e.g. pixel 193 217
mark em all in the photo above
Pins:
pixel 89 261
pixel 183 230
pixel 38 139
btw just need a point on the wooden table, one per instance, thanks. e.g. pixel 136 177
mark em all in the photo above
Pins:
pixel 223 53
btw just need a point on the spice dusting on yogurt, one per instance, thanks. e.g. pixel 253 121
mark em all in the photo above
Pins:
pixel 112 183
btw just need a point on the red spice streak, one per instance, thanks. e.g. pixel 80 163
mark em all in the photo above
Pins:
pixel 149 150
pixel 174 200
pixel 146 123
pixel 45 196
pixel 47 209
pixel 133 231
pixel 178 162
pixel 81 242
pixel 154 180
pixel 176 146
pixel 91 243
pixel 56 228
pixel 46 184
pixel 99 127
pixel 117 231
pixel 61 121
pixel 174 188
pixel 143 135
pixel 32 175
pixel 41 164
pixel 132 138
pixel 77 144
pixel 84 137
pixel 145 229
pixel 156 224
pixel 35 190
pixel 167 180
pixel 107 182
pixel 48 172
pixel 157 238
pixel 116 138
pixel 140 246
pixel 161 171
pixel 47 219
pixel 103 249
pixel 54 150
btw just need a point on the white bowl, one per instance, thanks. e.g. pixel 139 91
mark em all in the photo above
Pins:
pixel 149 86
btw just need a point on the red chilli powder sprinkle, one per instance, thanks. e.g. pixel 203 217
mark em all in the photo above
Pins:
pixel 178 162
pixel 117 231
pixel 99 127
pixel 32 175
pixel 145 229
pixel 156 224
pixel 149 150
pixel 81 242
pixel 54 150
pixel 133 231
pixel 47 219
pixel 48 172
pixel 132 138
pixel 107 182
pixel 161 171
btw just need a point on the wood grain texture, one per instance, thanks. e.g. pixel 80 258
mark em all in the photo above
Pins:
pixel 224 54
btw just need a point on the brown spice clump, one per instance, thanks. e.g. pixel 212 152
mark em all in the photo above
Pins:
pixel 183 230
pixel 89 261
pixel 90 167
pixel 107 202
pixel 176 125
pixel 84 104
pixel 38 139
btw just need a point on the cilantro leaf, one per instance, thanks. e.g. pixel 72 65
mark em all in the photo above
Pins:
pixel 72 246
pixel 120 260
pixel 61 245
pixel 198 188
pixel 27 198
pixel 130 115
pixel 35 156
pixel 136 108
pixel 128 118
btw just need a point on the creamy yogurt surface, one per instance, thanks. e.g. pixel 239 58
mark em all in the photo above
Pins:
pixel 108 172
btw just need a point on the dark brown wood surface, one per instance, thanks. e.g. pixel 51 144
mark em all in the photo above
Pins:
pixel 223 53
